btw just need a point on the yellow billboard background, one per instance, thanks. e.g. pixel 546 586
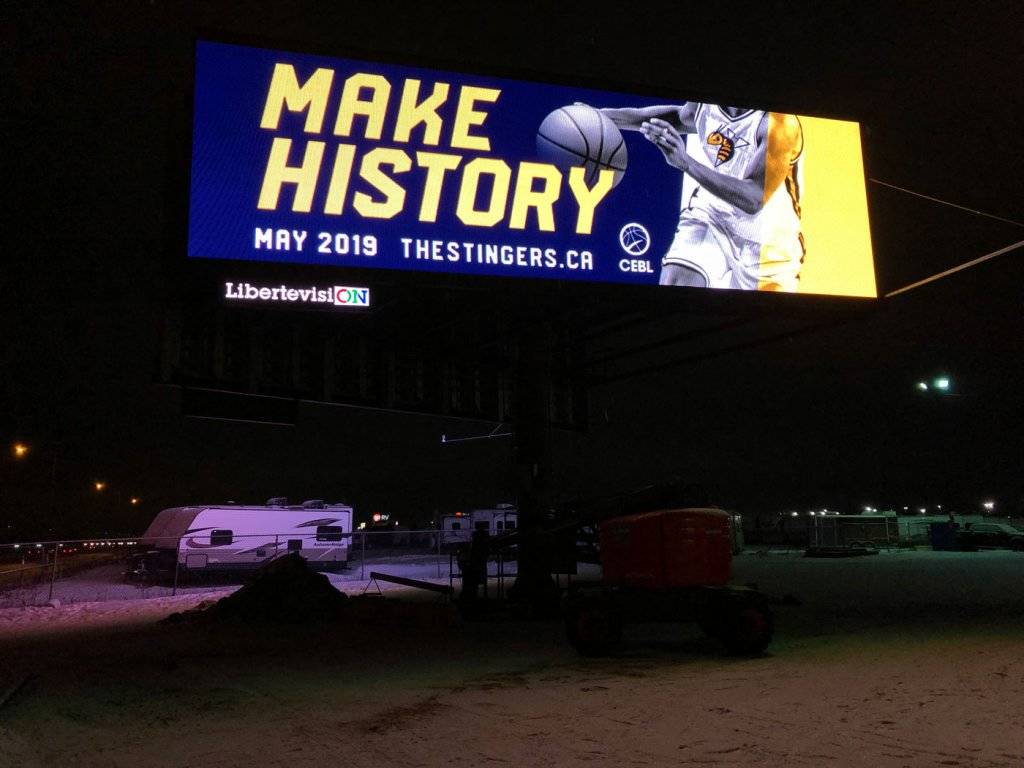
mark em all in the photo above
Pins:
pixel 834 209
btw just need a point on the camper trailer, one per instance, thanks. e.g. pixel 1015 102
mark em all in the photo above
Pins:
pixel 214 537
pixel 459 527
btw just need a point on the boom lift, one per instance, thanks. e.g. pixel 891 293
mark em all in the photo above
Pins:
pixel 661 561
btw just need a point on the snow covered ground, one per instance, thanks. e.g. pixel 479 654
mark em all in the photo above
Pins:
pixel 107 582
pixel 890 579
pixel 902 659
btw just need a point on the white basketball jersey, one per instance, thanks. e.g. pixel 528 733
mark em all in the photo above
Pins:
pixel 729 145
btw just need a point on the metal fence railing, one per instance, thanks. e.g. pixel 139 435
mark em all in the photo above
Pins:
pixel 88 570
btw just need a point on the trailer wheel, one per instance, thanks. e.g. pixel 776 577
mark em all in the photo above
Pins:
pixel 744 628
pixel 593 626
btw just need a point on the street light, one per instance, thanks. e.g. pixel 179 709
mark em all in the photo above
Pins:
pixel 99 485
pixel 989 505
pixel 940 384
pixel 19 449
pixel 134 500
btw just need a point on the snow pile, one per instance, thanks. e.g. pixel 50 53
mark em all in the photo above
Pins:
pixel 283 591
pixel 14 751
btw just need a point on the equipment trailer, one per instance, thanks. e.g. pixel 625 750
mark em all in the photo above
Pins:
pixel 668 565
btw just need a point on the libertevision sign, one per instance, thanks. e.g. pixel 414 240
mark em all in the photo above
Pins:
pixel 338 295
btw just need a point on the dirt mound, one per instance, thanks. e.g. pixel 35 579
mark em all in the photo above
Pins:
pixel 15 751
pixel 283 591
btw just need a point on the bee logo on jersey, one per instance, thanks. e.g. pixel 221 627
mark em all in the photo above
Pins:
pixel 727 142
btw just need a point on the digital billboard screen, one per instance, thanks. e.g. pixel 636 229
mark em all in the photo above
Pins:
pixel 308 159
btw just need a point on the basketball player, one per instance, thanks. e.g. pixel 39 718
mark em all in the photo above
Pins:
pixel 740 222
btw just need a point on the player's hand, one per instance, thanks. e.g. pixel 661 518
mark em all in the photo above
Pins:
pixel 666 138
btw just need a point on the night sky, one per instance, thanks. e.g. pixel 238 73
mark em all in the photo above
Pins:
pixel 95 127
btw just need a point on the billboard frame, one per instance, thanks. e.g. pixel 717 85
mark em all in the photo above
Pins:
pixel 699 299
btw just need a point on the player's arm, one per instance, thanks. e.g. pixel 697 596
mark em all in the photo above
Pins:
pixel 632 118
pixel 785 142
pixel 778 149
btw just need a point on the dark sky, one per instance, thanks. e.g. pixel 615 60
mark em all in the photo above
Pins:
pixel 97 97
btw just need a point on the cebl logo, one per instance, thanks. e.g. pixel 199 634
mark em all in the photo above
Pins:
pixel 347 296
pixel 635 239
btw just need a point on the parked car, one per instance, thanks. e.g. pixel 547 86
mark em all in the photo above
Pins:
pixel 991 536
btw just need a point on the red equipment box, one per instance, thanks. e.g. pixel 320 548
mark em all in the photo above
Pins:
pixel 667 549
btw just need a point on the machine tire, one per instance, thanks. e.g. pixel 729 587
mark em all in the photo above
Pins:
pixel 593 625
pixel 744 627
pixel 966 543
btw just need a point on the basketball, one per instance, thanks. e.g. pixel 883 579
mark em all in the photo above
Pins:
pixel 579 135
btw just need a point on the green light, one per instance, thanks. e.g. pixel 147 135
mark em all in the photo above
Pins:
pixel 942 383
pixel 922 386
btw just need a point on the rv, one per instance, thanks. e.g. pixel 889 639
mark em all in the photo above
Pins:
pixel 459 527
pixel 215 537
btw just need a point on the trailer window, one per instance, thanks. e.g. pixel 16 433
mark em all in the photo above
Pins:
pixel 501 525
pixel 482 525
pixel 328 533
pixel 456 526
pixel 219 537
pixel 509 524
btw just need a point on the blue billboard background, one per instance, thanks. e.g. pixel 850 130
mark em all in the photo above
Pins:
pixel 230 154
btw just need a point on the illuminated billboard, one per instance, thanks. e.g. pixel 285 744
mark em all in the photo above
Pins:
pixel 309 159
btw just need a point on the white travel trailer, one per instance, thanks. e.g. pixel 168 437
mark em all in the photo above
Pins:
pixel 211 537
pixel 459 527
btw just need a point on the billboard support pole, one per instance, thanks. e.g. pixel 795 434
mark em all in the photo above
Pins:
pixel 53 573
pixel 533 589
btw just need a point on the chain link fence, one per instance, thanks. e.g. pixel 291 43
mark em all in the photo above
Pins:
pixel 89 570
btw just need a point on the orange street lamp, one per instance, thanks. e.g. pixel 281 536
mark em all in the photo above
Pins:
pixel 20 449
pixel 134 500
pixel 99 485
